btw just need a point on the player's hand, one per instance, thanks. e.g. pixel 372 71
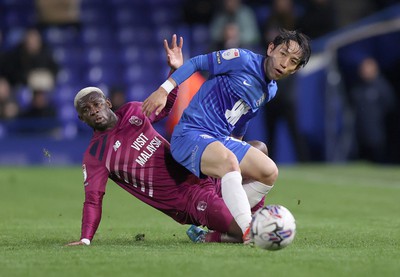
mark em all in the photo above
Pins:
pixel 155 102
pixel 75 243
pixel 174 52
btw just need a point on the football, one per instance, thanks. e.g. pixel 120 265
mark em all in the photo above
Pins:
pixel 273 227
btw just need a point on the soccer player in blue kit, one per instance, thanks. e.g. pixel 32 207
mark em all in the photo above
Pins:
pixel 208 137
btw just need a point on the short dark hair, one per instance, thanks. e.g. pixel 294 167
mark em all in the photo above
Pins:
pixel 285 36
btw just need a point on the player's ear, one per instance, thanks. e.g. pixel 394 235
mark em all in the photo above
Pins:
pixel 271 47
pixel 108 102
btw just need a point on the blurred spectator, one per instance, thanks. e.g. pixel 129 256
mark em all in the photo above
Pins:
pixel 233 11
pixel 60 12
pixel 40 117
pixel 2 55
pixel 284 105
pixel 27 57
pixel 230 37
pixel 319 18
pixel 8 106
pixel 349 13
pixel 283 109
pixel 117 97
pixel 373 99
pixel 40 106
pixel 198 11
pixel 282 16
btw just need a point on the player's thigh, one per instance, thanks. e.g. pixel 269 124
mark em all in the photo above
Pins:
pixel 187 149
pixel 257 166
pixel 217 160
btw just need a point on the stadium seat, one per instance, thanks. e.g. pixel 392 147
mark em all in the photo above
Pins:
pixel 131 16
pixel 130 54
pixel 141 36
pixel 103 75
pixel 97 35
pixel 97 55
pixel 61 36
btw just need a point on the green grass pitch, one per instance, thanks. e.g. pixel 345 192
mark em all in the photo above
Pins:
pixel 348 224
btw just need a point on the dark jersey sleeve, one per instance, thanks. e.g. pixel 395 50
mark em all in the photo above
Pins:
pixel 91 215
pixel 95 180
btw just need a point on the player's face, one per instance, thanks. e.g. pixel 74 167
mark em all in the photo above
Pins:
pixel 283 60
pixel 95 111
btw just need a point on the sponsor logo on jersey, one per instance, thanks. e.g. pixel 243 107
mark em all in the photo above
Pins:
pixel 84 175
pixel 139 142
pixel 240 108
pixel 117 144
pixel 134 120
pixel 205 136
pixel 231 54
pixel 261 100
pixel 148 151
pixel 246 83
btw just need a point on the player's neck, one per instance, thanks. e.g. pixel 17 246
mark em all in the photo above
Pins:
pixel 113 121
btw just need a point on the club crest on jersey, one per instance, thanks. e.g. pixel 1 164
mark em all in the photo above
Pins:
pixel 231 54
pixel 201 206
pixel 134 120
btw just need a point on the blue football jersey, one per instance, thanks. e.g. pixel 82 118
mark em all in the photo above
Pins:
pixel 235 90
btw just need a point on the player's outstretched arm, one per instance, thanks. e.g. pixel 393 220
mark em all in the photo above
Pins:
pixel 174 52
pixel 158 99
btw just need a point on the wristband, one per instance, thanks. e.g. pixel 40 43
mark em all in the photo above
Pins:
pixel 168 86
pixel 85 241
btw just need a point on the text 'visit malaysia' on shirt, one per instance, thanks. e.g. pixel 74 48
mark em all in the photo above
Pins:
pixel 137 158
pixel 236 89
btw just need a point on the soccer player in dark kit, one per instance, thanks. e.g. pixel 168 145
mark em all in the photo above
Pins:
pixel 127 149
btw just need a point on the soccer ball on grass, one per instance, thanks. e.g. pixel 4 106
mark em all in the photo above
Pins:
pixel 273 227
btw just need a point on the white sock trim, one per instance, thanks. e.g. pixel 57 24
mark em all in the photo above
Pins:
pixel 236 199
pixel 255 191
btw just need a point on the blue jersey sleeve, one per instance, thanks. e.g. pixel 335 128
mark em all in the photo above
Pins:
pixel 198 63
pixel 226 61
pixel 240 130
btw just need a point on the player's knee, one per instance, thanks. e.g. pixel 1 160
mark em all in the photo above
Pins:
pixel 219 167
pixel 270 174
pixel 227 163
pixel 230 163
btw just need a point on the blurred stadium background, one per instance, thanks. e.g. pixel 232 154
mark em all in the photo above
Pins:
pixel 119 43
